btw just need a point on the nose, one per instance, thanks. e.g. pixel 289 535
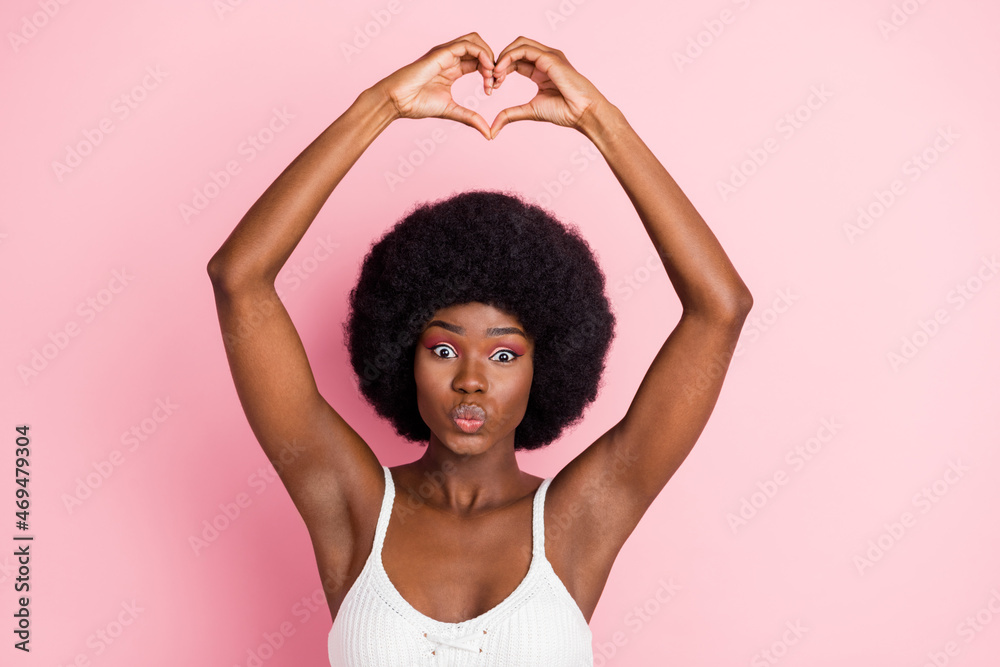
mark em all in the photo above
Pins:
pixel 469 377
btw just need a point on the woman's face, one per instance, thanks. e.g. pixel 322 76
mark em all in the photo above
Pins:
pixel 473 367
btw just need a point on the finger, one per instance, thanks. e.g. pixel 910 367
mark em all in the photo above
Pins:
pixel 524 54
pixel 486 58
pixel 523 45
pixel 511 115
pixel 524 59
pixel 471 64
pixel 522 41
pixel 476 39
pixel 475 54
pixel 530 70
pixel 468 117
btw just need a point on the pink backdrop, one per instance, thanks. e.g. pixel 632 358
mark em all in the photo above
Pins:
pixel 840 507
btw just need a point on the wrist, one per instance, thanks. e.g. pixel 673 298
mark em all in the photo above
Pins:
pixel 601 122
pixel 379 105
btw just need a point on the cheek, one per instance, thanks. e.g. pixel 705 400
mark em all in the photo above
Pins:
pixel 433 386
pixel 520 390
pixel 423 377
pixel 527 392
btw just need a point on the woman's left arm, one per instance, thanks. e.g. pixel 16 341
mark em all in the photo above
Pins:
pixel 626 468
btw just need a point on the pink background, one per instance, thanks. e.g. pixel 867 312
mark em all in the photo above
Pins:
pixel 880 548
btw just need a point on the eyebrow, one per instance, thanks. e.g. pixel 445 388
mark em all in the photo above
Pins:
pixel 490 333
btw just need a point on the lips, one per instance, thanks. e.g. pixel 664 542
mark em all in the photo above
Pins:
pixel 468 417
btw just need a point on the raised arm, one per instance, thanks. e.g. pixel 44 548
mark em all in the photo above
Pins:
pixel 324 464
pixel 679 391
pixel 618 476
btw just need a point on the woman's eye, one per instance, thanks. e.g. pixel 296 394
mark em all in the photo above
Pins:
pixel 505 356
pixel 443 351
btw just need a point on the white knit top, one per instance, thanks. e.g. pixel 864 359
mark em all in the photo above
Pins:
pixel 538 624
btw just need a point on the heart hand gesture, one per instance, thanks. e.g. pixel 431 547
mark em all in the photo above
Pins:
pixel 422 89
pixel 564 96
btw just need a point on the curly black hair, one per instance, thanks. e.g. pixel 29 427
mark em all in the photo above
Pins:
pixel 490 247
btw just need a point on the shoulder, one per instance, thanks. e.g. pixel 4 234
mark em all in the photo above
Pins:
pixel 586 520
pixel 343 546
pixel 580 544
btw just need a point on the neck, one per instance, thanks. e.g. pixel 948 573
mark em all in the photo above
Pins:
pixel 467 483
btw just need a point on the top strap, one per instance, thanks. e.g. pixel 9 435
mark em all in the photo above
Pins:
pixel 538 519
pixel 384 512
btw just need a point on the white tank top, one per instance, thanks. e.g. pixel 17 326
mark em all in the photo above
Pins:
pixel 538 624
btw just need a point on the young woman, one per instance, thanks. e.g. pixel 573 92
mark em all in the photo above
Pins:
pixel 479 325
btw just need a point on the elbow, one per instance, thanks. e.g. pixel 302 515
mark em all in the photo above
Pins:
pixel 217 271
pixel 214 268
pixel 732 309
pixel 742 303
pixel 230 278
pixel 738 301
pixel 226 279
pixel 738 309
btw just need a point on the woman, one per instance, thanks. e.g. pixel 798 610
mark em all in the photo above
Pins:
pixel 446 560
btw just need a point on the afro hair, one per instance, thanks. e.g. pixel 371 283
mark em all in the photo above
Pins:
pixel 494 248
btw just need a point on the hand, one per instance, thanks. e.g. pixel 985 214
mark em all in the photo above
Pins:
pixel 564 96
pixel 422 89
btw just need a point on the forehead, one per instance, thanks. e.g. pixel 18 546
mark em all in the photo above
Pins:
pixel 476 319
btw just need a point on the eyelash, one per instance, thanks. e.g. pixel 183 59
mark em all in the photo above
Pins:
pixel 503 351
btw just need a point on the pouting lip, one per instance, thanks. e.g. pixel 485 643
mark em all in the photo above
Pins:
pixel 468 411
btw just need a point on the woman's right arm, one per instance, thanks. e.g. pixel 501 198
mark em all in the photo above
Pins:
pixel 324 464
pixel 311 447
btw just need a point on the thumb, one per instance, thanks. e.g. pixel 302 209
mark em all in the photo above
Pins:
pixel 511 115
pixel 468 117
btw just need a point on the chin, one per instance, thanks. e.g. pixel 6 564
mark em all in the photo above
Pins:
pixel 467 446
pixel 465 443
